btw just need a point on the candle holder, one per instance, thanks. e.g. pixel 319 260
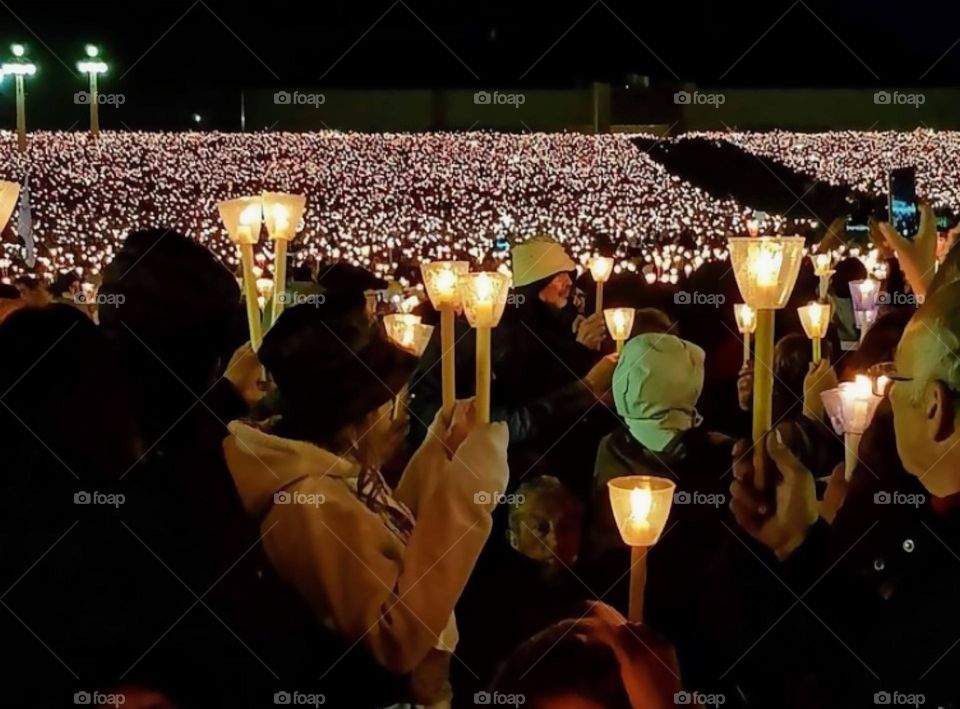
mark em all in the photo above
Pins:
pixel 407 332
pixel 600 268
pixel 851 407
pixel 441 279
pixel 9 194
pixel 865 295
pixel 747 324
pixel 620 324
pixel 282 214
pixel 815 318
pixel 766 270
pixel 242 219
pixel 823 269
pixel 640 505
pixel 484 297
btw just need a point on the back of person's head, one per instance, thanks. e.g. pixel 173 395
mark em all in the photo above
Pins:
pixel 560 667
pixel 169 298
pixel 792 356
pixel 332 368
pixel 849 269
pixel 647 320
pixel 656 386
pixel 63 407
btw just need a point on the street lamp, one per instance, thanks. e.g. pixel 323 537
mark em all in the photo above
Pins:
pixel 92 66
pixel 19 68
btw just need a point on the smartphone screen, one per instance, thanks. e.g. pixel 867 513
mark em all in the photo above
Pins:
pixel 904 214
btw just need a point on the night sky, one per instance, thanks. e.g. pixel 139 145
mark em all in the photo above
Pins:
pixel 172 59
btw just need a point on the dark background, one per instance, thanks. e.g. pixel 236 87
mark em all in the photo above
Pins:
pixel 172 59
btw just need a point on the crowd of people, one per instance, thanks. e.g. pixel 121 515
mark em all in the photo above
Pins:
pixel 189 521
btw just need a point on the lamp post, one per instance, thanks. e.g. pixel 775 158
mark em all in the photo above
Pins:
pixel 620 324
pixel 484 297
pixel 243 219
pixel 640 505
pixel 600 268
pixel 281 215
pixel 19 68
pixel 747 324
pixel 851 407
pixel 93 66
pixel 766 270
pixel 815 318
pixel 441 279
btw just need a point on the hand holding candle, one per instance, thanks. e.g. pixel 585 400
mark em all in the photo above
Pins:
pixel 766 270
pixel 640 505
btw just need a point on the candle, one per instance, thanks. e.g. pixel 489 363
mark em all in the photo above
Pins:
pixel 851 407
pixel 441 279
pixel 600 268
pixel 746 318
pixel 620 324
pixel 766 270
pixel 281 213
pixel 815 319
pixel 484 297
pixel 242 218
pixel 640 505
pixel 864 295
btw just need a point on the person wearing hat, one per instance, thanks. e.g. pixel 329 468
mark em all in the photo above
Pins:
pixel 382 567
pixel 656 386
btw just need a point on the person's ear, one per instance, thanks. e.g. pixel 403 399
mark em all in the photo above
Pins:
pixel 939 410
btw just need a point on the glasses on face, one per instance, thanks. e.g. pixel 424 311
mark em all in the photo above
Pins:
pixel 884 375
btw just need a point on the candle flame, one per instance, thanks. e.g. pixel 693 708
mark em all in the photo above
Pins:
pixel 483 288
pixel 251 215
pixel 861 388
pixel 867 286
pixel 600 268
pixel 641 501
pixel 765 265
pixel 446 281
pixel 821 263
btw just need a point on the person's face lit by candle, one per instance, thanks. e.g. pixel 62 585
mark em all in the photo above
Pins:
pixel 556 293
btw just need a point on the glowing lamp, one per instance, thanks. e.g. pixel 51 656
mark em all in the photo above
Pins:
pixel 442 281
pixel 746 318
pixel 484 298
pixel 600 268
pixel 865 295
pixel 815 318
pixel 242 219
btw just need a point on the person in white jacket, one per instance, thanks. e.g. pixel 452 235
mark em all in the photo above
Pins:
pixel 382 567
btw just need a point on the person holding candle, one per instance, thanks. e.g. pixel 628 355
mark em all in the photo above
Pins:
pixel 893 581
pixel 371 562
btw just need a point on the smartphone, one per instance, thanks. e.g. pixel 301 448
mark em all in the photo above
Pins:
pixel 904 212
pixel 946 219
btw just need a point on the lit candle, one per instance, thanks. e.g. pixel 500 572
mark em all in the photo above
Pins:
pixel 441 279
pixel 282 212
pixel 619 323
pixel 600 268
pixel 815 318
pixel 746 318
pixel 851 407
pixel 242 219
pixel 484 297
